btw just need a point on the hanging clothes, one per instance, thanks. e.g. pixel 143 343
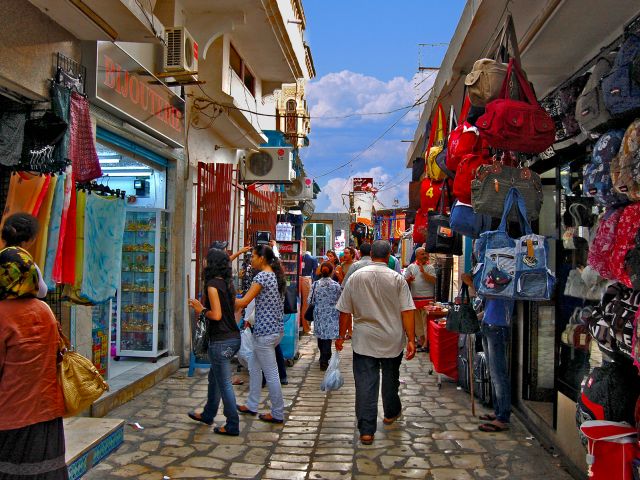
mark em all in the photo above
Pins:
pixel 66 257
pixel 60 103
pixel 82 149
pixel 72 290
pixel 25 190
pixel 44 217
pixel 11 137
pixel 55 231
pixel 103 231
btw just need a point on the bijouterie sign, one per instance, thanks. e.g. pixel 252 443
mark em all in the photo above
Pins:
pixel 123 85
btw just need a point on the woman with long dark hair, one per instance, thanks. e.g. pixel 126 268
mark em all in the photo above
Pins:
pixel 224 341
pixel 325 293
pixel 267 288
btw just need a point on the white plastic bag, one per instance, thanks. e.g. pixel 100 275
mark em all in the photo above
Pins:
pixel 245 354
pixel 332 378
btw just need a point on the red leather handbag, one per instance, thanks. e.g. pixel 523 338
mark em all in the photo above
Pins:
pixel 517 125
pixel 466 173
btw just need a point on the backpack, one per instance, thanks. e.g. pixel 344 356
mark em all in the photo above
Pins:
pixel 430 192
pixel 463 140
pixel 625 167
pixel 610 392
pixel 625 240
pixel 599 257
pixel 621 92
pixel 591 113
pixel 562 108
pixel 596 174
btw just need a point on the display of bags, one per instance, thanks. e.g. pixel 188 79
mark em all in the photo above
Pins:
pixel 576 334
pixel 596 174
pixel 462 318
pixel 579 212
pixel 632 263
pixel 561 106
pixel 625 240
pixel 591 112
pixel 466 172
pixel 492 183
pixel 625 167
pixel 430 193
pixel 440 236
pixel 485 80
pixel 517 125
pixel 514 268
pixel 417 169
pixel 585 283
pixel 467 222
pixel 420 227
pixel 436 145
pixel 612 448
pixel 599 257
pixel 621 92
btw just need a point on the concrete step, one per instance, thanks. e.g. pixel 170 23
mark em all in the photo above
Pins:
pixel 89 441
pixel 133 382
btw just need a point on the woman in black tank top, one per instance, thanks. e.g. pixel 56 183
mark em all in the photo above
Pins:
pixel 218 307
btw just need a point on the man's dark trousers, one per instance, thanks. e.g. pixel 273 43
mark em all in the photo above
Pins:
pixel 366 372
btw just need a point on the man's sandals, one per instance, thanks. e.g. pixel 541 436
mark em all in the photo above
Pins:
pixel 366 439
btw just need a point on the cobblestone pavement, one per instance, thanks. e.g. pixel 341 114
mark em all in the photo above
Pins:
pixel 437 438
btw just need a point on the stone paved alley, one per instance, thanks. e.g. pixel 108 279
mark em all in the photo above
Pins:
pixel 437 438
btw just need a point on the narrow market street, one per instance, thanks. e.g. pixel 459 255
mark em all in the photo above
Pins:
pixel 436 438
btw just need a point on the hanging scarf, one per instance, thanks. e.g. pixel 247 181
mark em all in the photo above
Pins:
pixel 18 274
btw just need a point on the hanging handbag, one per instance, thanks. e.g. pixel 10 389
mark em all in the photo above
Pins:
pixel 591 112
pixel 201 335
pixel 515 268
pixel 599 257
pixel 466 172
pixel 430 193
pixel 625 240
pixel 436 145
pixel 440 237
pixel 492 183
pixel 462 318
pixel 79 379
pixel 308 314
pixel 517 125
pixel 420 227
pixel 291 299
pixel 467 222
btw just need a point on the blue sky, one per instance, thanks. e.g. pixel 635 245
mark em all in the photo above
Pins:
pixel 366 56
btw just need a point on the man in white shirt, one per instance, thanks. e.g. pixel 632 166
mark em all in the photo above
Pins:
pixel 421 277
pixel 378 302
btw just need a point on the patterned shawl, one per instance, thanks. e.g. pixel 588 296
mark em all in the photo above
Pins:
pixel 18 274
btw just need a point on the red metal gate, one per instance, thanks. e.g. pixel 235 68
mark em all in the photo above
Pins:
pixel 215 186
pixel 260 213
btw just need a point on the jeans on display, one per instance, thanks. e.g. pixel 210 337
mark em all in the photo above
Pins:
pixel 220 387
pixel 325 351
pixel 366 373
pixel 494 342
pixel 264 361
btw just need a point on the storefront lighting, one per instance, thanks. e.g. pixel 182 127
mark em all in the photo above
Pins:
pixel 124 174
pixel 106 161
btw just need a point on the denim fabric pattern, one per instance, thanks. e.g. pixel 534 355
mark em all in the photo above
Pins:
pixel 269 306
pixel 264 362
pixel 325 293
pixel 220 387
pixel 494 341
pixel 366 373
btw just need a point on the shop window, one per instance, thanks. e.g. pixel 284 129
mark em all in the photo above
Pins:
pixel 318 237
pixel 235 61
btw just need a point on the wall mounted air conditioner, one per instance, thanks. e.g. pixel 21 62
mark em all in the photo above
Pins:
pixel 180 54
pixel 300 189
pixel 269 165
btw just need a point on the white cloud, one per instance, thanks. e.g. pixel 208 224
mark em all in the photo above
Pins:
pixel 345 93
pixel 333 199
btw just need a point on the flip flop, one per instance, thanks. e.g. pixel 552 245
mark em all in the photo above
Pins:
pixel 492 428
pixel 366 439
pixel 198 418
pixel 222 431
pixel 244 410
pixel 266 417
pixel 487 417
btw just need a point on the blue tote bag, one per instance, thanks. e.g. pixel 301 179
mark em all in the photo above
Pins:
pixel 514 268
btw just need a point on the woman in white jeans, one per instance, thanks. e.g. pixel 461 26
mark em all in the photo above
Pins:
pixel 267 288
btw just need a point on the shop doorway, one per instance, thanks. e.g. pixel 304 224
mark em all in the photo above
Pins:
pixel 319 238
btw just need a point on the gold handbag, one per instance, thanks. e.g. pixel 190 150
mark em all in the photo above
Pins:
pixel 80 380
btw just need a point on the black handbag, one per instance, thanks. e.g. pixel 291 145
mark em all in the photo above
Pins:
pixel 440 237
pixel 201 335
pixel 462 318
pixel 308 315
pixel 291 300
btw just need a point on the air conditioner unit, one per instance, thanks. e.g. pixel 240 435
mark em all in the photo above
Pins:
pixel 300 189
pixel 180 54
pixel 269 165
